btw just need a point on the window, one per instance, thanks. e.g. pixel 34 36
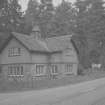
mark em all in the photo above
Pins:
pixel 0 70
pixel 39 69
pixel 54 69
pixel 14 51
pixel 15 70
pixel 68 67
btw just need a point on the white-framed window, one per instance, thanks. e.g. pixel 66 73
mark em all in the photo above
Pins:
pixel 15 51
pixel 39 69
pixel 68 68
pixel 54 69
pixel 15 70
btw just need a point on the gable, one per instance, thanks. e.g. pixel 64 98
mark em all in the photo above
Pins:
pixel 24 56
pixel 8 42
pixel 70 55
pixel 49 45
pixel 31 43
pixel 60 43
pixel 14 43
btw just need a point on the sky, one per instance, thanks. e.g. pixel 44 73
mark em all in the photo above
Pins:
pixel 25 2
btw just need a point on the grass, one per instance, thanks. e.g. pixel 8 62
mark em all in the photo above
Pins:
pixel 44 84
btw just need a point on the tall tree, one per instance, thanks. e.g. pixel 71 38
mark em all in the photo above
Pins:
pixel 39 13
pixel 10 15
pixel 3 3
pixel 63 20
pixel 90 19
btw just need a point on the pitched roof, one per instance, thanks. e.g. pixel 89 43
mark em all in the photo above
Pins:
pixel 58 43
pixel 49 45
pixel 31 43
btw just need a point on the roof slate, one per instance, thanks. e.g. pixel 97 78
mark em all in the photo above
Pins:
pixel 31 43
pixel 48 45
pixel 58 43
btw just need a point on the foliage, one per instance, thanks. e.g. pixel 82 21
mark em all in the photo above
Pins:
pixel 10 15
pixel 84 18
pixel 63 21
pixel 90 19
pixel 39 13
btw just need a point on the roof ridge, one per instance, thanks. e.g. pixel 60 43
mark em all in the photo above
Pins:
pixel 31 43
pixel 57 37
pixel 48 45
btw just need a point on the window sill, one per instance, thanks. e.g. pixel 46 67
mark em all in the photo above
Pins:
pixel 68 73
pixel 39 74
pixel 54 73
pixel 15 75
pixel 13 55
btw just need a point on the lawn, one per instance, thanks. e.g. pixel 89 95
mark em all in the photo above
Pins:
pixel 44 84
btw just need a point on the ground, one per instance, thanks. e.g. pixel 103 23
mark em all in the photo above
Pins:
pixel 87 93
pixel 44 84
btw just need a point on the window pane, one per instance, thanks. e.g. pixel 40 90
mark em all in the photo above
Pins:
pixel 68 67
pixel 11 51
pixel 39 69
pixel 42 69
pixel 19 51
pixel 54 68
pixel 15 70
pixel 18 70
pixel 14 51
pixel 21 70
pixel 11 72
pixel 8 70
pixel 0 70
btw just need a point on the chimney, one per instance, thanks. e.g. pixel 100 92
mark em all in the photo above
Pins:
pixel 36 33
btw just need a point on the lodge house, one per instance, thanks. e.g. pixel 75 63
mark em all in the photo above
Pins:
pixel 31 56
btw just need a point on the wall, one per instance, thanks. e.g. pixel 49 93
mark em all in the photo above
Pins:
pixel 29 60
pixel 69 55
pixel 42 59
pixel 39 58
pixel 24 58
